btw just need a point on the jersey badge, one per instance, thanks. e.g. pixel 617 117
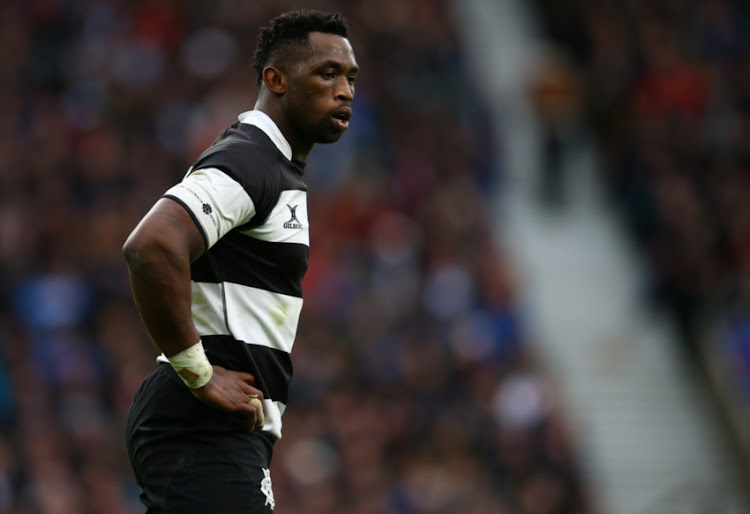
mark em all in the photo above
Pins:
pixel 293 222
pixel 266 488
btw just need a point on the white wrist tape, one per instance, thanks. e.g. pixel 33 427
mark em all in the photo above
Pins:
pixel 193 366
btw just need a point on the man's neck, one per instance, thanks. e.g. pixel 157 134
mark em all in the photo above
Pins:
pixel 299 152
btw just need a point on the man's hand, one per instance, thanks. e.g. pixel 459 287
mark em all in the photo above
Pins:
pixel 232 391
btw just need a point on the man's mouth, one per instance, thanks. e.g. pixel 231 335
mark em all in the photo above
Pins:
pixel 342 116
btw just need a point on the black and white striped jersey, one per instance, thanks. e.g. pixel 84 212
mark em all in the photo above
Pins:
pixel 249 200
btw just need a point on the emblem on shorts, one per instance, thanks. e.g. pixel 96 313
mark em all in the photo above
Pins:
pixel 266 489
pixel 207 209
pixel 293 222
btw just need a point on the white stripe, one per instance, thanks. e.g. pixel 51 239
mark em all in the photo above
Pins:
pixel 273 411
pixel 218 202
pixel 208 309
pixel 253 315
pixel 287 222
pixel 261 317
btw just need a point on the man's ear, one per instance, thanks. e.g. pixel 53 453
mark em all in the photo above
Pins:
pixel 274 80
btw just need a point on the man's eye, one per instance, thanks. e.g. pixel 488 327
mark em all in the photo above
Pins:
pixel 329 75
pixel 351 80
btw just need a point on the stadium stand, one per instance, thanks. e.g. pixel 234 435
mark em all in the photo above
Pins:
pixel 667 91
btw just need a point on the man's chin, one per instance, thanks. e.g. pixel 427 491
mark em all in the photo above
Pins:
pixel 327 139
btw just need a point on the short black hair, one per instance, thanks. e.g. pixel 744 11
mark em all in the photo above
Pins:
pixel 291 29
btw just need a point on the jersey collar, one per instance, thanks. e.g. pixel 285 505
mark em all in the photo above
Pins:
pixel 267 125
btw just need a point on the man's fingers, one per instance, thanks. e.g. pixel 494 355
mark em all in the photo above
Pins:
pixel 246 377
pixel 233 391
pixel 246 388
pixel 251 391
pixel 259 416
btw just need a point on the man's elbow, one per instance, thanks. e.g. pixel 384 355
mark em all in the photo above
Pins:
pixel 134 251
pixel 152 247
pixel 142 248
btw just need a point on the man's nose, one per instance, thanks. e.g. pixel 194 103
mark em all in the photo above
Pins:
pixel 344 90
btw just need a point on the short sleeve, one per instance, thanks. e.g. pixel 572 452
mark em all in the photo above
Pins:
pixel 216 201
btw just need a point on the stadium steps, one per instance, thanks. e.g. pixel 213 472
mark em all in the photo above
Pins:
pixel 647 433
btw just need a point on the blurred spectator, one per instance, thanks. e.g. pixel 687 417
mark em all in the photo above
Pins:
pixel 556 95
pixel 414 389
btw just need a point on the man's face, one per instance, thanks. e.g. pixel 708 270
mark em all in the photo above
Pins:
pixel 321 89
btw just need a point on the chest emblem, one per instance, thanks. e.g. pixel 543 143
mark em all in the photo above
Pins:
pixel 293 221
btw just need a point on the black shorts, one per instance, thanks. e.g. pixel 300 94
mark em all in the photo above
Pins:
pixel 189 458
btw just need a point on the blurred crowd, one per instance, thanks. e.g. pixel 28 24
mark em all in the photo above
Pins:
pixel 415 390
pixel 667 89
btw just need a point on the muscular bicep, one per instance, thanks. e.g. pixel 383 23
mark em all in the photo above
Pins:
pixel 169 226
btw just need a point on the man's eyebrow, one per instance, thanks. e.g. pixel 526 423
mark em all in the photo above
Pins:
pixel 336 65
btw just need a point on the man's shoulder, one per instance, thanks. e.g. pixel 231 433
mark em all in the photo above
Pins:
pixel 243 151
pixel 245 141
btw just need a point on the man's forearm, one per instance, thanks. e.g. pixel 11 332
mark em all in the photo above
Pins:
pixel 160 284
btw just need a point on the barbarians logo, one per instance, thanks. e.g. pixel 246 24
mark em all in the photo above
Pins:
pixel 267 489
pixel 207 209
pixel 293 222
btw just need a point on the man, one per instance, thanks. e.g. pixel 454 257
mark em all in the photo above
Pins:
pixel 216 269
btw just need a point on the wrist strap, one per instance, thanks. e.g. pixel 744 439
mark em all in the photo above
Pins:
pixel 193 366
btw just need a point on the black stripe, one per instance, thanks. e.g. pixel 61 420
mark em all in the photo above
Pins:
pixel 241 259
pixel 271 368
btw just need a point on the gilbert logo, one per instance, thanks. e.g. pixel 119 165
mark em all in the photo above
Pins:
pixel 293 222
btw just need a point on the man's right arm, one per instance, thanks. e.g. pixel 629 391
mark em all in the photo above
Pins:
pixel 158 254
